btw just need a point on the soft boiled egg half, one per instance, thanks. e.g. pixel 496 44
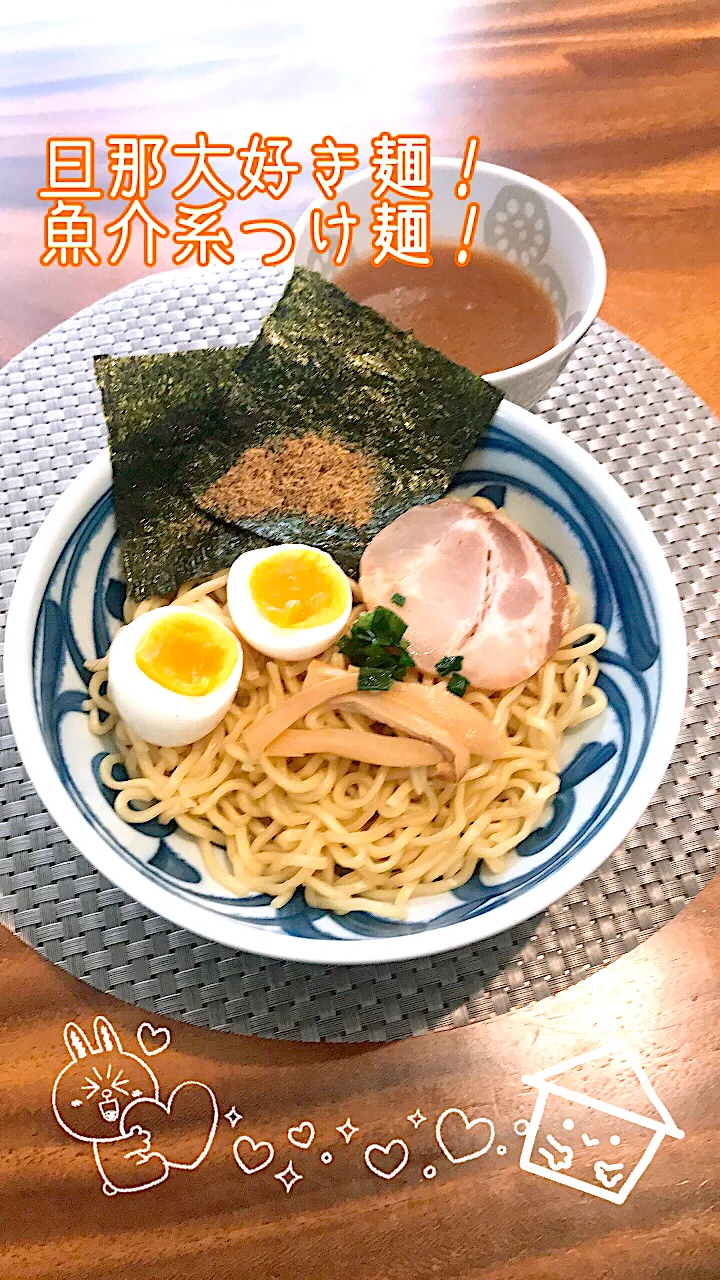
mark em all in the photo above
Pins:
pixel 172 674
pixel 288 602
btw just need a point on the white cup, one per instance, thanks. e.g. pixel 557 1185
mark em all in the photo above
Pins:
pixel 520 218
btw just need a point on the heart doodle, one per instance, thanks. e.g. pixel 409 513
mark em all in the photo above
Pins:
pixel 256 1146
pixel 128 1164
pixel 468 1125
pixel 183 1128
pixel 393 1170
pixel 295 1134
pixel 152 1040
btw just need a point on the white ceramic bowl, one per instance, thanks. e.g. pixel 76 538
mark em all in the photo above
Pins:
pixel 521 219
pixel 66 605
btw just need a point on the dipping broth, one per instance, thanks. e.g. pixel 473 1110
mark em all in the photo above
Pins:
pixel 488 315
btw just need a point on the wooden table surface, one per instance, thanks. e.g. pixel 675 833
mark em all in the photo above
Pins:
pixel 615 103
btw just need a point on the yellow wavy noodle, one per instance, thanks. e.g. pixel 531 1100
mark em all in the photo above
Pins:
pixel 351 836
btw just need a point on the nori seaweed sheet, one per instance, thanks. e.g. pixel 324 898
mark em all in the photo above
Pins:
pixel 162 411
pixel 322 364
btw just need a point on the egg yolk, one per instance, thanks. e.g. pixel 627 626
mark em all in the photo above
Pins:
pixel 188 655
pixel 298 589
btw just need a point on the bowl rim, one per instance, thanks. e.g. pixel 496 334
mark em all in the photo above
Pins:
pixel 562 348
pixel 28 593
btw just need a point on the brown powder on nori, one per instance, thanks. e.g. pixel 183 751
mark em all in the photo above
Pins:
pixel 322 365
pixel 309 475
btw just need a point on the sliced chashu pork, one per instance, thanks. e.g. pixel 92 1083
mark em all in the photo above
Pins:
pixel 475 584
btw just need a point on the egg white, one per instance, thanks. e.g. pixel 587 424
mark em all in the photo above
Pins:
pixel 154 713
pixel 292 644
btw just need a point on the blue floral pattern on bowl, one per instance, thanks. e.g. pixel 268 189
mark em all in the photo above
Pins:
pixel 82 608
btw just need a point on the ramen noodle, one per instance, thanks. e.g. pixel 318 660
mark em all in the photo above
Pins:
pixel 349 835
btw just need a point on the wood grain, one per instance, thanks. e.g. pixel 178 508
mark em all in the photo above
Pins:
pixel 481 1218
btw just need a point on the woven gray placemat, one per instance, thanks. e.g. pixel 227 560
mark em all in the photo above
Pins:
pixel 661 443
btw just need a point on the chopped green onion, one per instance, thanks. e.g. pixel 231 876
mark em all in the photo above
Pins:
pixel 387 627
pixel 375 644
pixel 380 656
pixel 404 661
pixel 397 599
pixel 372 680
pixel 362 627
pixel 354 650
pixel 458 685
pixel 448 664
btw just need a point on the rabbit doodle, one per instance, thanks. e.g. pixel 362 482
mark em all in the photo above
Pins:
pixel 109 1097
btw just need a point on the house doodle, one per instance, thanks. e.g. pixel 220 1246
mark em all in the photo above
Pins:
pixel 110 1098
pixel 584 1140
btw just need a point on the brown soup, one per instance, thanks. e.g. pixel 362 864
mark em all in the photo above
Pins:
pixel 488 315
